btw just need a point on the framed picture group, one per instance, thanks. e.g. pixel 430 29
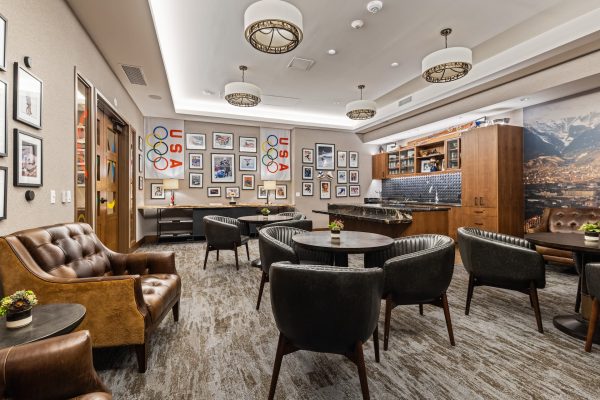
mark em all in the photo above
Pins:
pixel 325 159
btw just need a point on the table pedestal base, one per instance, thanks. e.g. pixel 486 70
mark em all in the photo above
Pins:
pixel 574 325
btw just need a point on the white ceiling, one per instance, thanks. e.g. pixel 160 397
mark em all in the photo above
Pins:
pixel 202 44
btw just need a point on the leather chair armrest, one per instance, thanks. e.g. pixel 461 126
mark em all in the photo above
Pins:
pixel 162 262
pixel 592 277
pixel 272 251
pixel 56 368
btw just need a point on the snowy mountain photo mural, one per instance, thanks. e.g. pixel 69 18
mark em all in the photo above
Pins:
pixel 562 154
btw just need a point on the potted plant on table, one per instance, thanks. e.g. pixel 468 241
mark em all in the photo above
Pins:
pixel 591 231
pixel 265 212
pixel 17 308
pixel 336 227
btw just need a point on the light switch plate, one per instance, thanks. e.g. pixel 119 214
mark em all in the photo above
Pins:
pixel 297 194
pixel 63 196
pixel 52 196
pixel 68 196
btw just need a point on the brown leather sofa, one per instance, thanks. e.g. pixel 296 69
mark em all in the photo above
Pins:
pixel 56 368
pixel 126 295
pixel 564 220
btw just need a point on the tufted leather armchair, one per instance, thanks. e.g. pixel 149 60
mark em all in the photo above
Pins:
pixel 327 310
pixel 304 224
pixel 418 270
pixel 502 261
pixel 294 214
pixel 592 276
pixel 275 244
pixel 126 295
pixel 562 220
pixel 56 368
pixel 225 233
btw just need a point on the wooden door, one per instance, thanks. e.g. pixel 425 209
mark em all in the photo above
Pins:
pixel 487 167
pixel 107 181
pixel 469 160
pixel 379 165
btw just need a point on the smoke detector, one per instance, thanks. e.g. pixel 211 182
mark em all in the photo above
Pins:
pixel 374 6
pixel 357 24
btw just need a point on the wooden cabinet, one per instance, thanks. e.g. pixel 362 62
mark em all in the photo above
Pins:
pixel 492 179
pixel 379 167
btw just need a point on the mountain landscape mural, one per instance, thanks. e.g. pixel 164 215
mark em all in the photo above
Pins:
pixel 562 154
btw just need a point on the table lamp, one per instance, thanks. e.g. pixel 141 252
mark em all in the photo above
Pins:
pixel 172 185
pixel 270 185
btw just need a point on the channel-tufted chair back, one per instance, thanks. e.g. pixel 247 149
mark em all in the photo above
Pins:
pixel 275 244
pixel 304 224
pixel 294 214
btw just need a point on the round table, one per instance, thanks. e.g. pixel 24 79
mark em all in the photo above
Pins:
pixel 350 242
pixel 575 325
pixel 48 320
pixel 260 220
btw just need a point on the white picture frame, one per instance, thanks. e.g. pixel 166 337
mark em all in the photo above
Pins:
pixel 248 144
pixel 222 141
pixel 195 141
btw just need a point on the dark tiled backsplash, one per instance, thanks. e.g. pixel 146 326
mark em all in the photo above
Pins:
pixel 438 188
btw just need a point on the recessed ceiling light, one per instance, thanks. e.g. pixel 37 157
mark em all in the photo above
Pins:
pixel 332 52
pixel 154 96
pixel 357 24
pixel 525 99
pixel 208 92
pixel 394 64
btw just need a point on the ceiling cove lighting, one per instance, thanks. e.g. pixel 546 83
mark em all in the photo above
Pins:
pixel 448 64
pixel 361 109
pixel 273 26
pixel 242 94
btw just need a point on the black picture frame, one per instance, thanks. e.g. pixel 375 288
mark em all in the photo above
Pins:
pixel 18 180
pixel 252 139
pixel 216 188
pixel 140 143
pixel 4 23
pixel 353 173
pixel 321 193
pixel 195 186
pixel 252 178
pixel 307 160
pixel 217 146
pixel 4 126
pixel 350 163
pixel 306 185
pixel 324 165
pixel 339 193
pixel 153 196
pixel 140 182
pixel 235 189
pixel 339 158
pixel 229 156
pixel 18 70
pixel 4 191
pixel 261 192
pixel 243 168
pixel 277 195
pixel 308 172
pixel 342 176
pixel 189 137
pixel 350 187
pixel 140 164
pixel 197 155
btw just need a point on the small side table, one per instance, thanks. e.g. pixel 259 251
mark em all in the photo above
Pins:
pixel 49 320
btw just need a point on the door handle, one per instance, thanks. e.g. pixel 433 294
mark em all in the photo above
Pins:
pixel 478 223
pixel 481 201
pixel 476 201
pixel 102 200
pixel 479 212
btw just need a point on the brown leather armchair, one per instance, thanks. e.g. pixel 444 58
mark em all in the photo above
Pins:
pixel 56 368
pixel 126 295
pixel 562 220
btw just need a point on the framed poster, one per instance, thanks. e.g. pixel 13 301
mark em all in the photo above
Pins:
pixel 247 163
pixel 3 191
pixel 325 189
pixel 308 156
pixel 222 168
pixel 325 156
pixel 342 176
pixel 353 159
pixel 195 141
pixel 3 120
pixel 214 192
pixel 27 99
pixel 232 192
pixel 353 176
pixel 140 143
pixel 222 141
pixel 140 183
pixel 164 154
pixel 275 154
pixel 341 191
pixel 307 188
pixel 307 172
pixel 247 182
pixel 342 159
pixel 195 161
pixel 248 144
pixel 281 192
pixel 261 192
pixel 28 160
pixel 140 163
pixel 196 180
pixel 3 26
pixel 157 191
pixel 354 190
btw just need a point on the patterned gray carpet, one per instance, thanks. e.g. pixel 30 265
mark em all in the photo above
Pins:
pixel 223 349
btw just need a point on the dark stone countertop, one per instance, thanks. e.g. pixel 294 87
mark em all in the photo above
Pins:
pixel 382 219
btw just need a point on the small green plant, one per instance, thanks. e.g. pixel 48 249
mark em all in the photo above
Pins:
pixel 265 211
pixel 591 227
pixel 336 225
pixel 18 301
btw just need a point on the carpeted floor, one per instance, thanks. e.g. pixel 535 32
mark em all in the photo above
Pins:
pixel 222 348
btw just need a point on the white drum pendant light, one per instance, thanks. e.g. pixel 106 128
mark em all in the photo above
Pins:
pixel 361 109
pixel 273 26
pixel 242 94
pixel 448 64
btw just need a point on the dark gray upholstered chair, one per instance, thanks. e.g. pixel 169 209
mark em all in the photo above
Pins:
pixel 225 233
pixel 418 270
pixel 502 261
pixel 294 214
pixel 327 310
pixel 592 277
pixel 304 224
pixel 275 244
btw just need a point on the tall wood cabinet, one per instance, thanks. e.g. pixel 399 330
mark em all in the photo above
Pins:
pixel 379 167
pixel 492 179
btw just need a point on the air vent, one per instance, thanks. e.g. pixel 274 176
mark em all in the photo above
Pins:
pixel 404 101
pixel 302 64
pixel 279 101
pixel 134 74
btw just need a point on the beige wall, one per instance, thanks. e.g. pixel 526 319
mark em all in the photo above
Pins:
pixel 48 32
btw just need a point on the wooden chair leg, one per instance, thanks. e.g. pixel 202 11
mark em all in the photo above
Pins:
pixel 578 297
pixel 237 265
pixel 470 293
pixel 263 280
pixel 536 307
pixel 206 256
pixel 388 317
pixel 176 312
pixel 376 343
pixel 448 320
pixel 247 251
pixel 362 371
pixel 592 325
pixel 421 309
pixel 141 353
pixel 278 357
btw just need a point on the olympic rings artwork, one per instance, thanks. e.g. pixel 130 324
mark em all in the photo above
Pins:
pixel 164 149
pixel 275 154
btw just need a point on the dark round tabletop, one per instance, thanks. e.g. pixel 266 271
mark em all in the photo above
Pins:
pixel 48 320
pixel 564 241
pixel 262 220
pixel 350 241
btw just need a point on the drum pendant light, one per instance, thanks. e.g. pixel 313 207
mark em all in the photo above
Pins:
pixel 448 64
pixel 361 109
pixel 273 26
pixel 242 94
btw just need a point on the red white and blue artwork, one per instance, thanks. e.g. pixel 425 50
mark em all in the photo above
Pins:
pixel 275 154
pixel 164 151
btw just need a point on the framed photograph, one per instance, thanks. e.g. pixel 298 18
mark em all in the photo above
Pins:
pixel 80 176
pixel 353 176
pixel 140 143
pixel 27 102
pixel 427 166
pixel 353 156
pixel 325 156
pixel 3 25
pixel 341 191
pixel 222 168
pixel 196 180
pixel 281 192
pixel 247 163
pixel 354 190
pixel 342 176
pixel 3 120
pixel 308 156
pixel 28 160
pixel 140 182
pixel 232 192
pixel 307 172
pixel 248 144
pixel 261 192
pixel 195 161
pixel 342 159
pixel 3 190
pixel 325 190
pixel 222 141
pixel 195 141
pixel 308 189
pixel 247 182
pixel 214 192
pixel 157 191
pixel 140 163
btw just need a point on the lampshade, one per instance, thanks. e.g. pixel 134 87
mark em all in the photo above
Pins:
pixel 447 64
pixel 170 184
pixel 242 94
pixel 273 26
pixel 361 109
pixel 270 185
